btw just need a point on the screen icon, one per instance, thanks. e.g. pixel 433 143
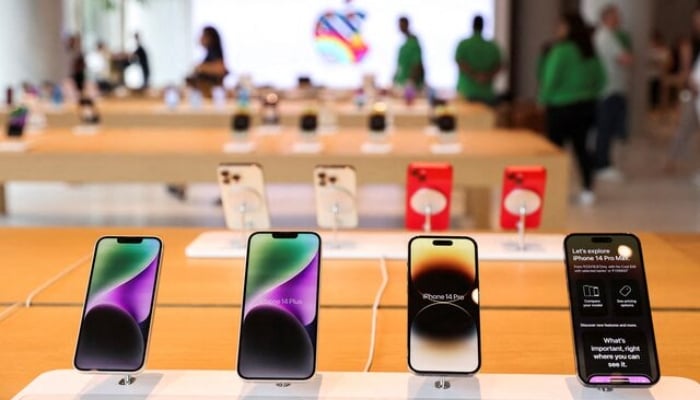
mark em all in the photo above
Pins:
pixel 591 291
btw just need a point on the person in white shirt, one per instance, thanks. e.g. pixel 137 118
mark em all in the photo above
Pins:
pixel 614 48
pixel 99 63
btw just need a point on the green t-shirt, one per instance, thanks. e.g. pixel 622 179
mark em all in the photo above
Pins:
pixel 410 58
pixel 568 78
pixel 482 56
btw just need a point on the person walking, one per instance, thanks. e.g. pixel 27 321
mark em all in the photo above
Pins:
pixel 572 79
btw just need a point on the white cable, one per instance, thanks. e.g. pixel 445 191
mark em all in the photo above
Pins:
pixel 8 311
pixel 53 280
pixel 375 311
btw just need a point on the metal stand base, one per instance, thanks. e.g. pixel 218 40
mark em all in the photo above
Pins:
pixel 442 383
pixel 521 228
pixel 428 212
pixel 127 380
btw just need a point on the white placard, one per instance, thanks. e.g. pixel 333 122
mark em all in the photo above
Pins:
pixel 239 147
pixel 303 147
pixel 364 245
pixel 376 148
pixel 14 146
pixel 446 148
pixel 86 130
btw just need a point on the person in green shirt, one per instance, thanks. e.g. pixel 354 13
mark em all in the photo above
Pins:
pixel 479 60
pixel 572 78
pixel 409 69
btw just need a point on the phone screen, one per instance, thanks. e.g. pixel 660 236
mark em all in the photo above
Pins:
pixel 118 308
pixel 611 315
pixel 280 306
pixel 443 305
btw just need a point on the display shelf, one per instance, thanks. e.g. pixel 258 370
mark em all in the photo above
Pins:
pixel 390 245
pixel 180 384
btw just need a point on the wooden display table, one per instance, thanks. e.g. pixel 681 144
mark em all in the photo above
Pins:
pixel 162 155
pixel 525 319
pixel 152 113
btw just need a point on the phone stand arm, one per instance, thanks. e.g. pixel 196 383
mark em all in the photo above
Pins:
pixel 335 210
pixel 127 380
pixel 427 212
pixel 243 211
pixel 521 227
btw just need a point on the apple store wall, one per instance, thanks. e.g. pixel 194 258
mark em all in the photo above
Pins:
pixel 336 42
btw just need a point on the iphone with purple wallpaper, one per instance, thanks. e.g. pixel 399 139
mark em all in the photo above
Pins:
pixel 118 310
pixel 280 306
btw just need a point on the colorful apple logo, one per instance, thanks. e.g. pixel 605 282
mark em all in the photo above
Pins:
pixel 338 36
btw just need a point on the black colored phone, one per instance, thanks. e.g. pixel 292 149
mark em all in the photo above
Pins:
pixel 280 306
pixel 118 310
pixel 444 335
pixel 610 310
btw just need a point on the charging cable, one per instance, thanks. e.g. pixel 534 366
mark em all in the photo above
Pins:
pixel 66 271
pixel 375 311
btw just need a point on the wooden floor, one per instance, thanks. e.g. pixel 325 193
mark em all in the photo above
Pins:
pixel 525 319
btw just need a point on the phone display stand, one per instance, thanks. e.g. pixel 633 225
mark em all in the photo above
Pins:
pixel 245 201
pixel 522 202
pixel 190 384
pixel 428 202
pixel 338 202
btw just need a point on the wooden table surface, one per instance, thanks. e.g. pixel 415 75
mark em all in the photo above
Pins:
pixel 191 155
pixel 119 113
pixel 525 321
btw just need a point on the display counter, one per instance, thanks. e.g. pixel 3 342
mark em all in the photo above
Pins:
pixel 192 155
pixel 526 327
pixel 153 113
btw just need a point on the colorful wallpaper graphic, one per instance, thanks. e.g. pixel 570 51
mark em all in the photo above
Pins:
pixel 338 36
pixel 278 334
pixel 117 316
